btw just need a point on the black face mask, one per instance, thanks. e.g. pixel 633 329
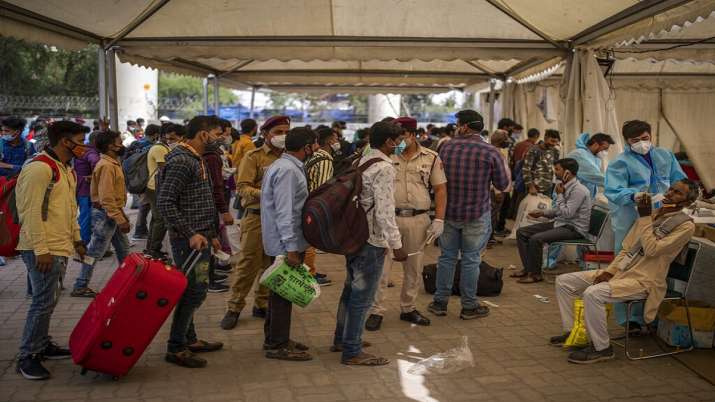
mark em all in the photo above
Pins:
pixel 122 149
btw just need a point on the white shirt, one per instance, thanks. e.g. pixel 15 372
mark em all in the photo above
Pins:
pixel 378 200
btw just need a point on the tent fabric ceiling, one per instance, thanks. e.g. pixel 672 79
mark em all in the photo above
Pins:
pixel 314 44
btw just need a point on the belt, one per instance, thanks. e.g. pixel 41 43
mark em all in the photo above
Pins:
pixel 254 211
pixel 402 212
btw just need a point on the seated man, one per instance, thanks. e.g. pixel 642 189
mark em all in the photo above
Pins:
pixel 638 272
pixel 572 213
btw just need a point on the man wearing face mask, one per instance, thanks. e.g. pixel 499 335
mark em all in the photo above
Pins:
pixel 184 200
pixel 571 216
pixel 319 169
pixel 14 150
pixel 641 169
pixel 538 170
pixel 500 139
pixel 169 138
pixel 417 168
pixel 284 192
pixel 109 222
pixel 252 260
pixel 47 240
pixel 472 167
pixel 638 272
pixel 590 152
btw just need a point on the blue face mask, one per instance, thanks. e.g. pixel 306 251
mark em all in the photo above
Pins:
pixel 400 148
pixel 8 137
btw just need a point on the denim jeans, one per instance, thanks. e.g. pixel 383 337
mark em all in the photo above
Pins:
pixel 469 238
pixel 183 332
pixel 364 270
pixel 104 231
pixel 85 218
pixel 157 226
pixel 45 293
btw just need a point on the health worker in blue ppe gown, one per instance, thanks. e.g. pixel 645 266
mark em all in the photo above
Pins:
pixel 590 151
pixel 641 169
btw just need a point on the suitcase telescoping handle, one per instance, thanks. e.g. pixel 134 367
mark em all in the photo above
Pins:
pixel 190 262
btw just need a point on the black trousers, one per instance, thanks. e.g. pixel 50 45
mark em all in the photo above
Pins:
pixel 504 212
pixel 276 328
pixel 530 241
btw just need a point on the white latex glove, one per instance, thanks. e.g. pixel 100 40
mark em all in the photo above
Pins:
pixel 436 229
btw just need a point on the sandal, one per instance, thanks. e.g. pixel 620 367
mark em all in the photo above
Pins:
pixel 291 345
pixel 365 359
pixel 83 292
pixel 520 274
pixel 339 348
pixel 288 354
pixel 530 279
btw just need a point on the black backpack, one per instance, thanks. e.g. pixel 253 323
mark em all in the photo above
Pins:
pixel 490 281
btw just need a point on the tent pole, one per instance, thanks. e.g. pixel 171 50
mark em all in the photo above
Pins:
pixel 102 84
pixel 112 90
pixel 216 98
pixel 253 100
pixel 206 96
pixel 492 93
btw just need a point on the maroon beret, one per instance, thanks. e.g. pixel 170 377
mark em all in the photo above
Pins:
pixel 408 123
pixel 275 121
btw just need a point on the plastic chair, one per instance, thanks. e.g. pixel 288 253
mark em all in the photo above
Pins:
pixel 596 224
pixel 674 272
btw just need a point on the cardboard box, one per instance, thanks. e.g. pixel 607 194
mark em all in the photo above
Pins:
pixel 673 325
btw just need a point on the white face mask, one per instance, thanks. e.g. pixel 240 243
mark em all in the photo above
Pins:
pixel 603 154
pixel 335 146
pixel 641 147
pixel 279 141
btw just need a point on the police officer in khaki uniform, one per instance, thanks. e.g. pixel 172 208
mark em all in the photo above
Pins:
pixel 252 260
pixel 417 169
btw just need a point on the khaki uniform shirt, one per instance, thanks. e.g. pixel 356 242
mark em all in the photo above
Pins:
pixel 649 272
pixel 250 175
pixel 414 176
pixel 108 188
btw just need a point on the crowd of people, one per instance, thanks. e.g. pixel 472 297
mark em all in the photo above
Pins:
pixel 457 185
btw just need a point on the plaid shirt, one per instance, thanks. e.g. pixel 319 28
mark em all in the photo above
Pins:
pixel 472 166
pixel 184 197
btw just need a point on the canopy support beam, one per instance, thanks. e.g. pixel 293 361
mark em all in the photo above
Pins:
pixel 511 14
pixel 205 86
pixel 522 66
pixel 253 101
pixel 20 14
pixel 137 22
pixel 102 84
pixel 481 67
pixel 492 101
pixel 235 68
pixel 216 98
pixel 112 103
pixel 642 10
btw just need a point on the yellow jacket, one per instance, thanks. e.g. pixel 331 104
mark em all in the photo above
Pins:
pixel 108 188
pixel 240 148
pixel 58 234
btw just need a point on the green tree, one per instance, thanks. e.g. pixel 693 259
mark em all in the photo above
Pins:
pixel 186 92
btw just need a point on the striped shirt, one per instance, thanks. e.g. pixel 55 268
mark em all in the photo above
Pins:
pixel 472 166
pixel 319 169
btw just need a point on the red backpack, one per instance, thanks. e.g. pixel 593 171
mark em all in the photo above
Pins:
pixel 9 219
pixel 333 219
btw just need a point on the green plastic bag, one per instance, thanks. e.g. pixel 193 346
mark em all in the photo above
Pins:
pixel 296 285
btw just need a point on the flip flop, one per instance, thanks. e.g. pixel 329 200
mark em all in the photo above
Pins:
pixel 520 274
pixel 530 279
pixel 365 359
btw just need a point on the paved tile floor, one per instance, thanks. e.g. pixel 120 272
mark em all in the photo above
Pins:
pixel 513 361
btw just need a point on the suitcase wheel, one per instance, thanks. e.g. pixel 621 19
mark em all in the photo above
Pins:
pixel 106 345
pixel 128 351
pixel 115 378
pixel 162 302
pixel 141 295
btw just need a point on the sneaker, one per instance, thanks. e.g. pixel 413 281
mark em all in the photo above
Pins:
pixel 31 368
pixel 437 309
pixel 230 320
pixel 319 275
pixel 202 346
pixel 415 317
pixel 590 355
pixel 220 278
pixel 217 288
pixel 472 313
pixel 83 292
pixel 55 352
pixel 323 281
pixel 373 322
pixel 502 233
pixel 559 340
pixel 2 262
pixel 259 312
pixel 186 358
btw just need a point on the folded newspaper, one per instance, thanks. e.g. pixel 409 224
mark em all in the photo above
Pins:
pixel 296 285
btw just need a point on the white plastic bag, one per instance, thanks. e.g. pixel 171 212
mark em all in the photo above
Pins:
pixel 450 361
pixel 528 204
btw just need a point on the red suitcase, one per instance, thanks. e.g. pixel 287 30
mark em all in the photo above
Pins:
pixel 126 315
